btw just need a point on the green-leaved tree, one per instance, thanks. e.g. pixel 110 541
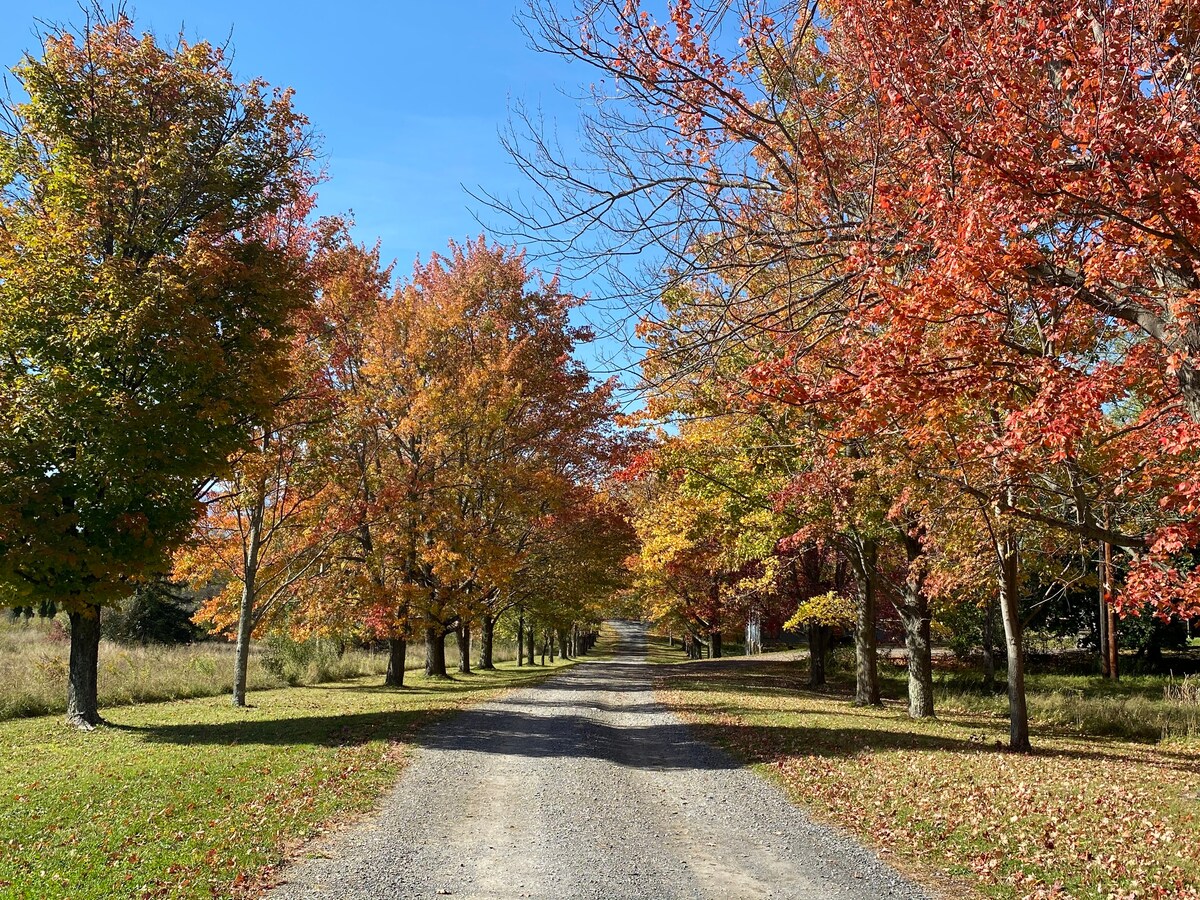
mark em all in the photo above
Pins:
pixel 143 307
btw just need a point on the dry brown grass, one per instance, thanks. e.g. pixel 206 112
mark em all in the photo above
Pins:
pixel 33 670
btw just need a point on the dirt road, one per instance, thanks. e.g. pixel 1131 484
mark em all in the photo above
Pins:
pixel 585 787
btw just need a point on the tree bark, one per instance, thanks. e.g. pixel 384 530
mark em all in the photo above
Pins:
pixel 818 646
pixel 463 635
pixel 487 635
pixel 562 644
pixel 241 659
pixel 866 672
pixel 915 614
pixel 521 638
pixel 241 653
pixel 1102 618
pixel 1114 660
pixel 532 646
pixel 714 638
pixel 435 650
pixel 918 644
pixel 397 656
pixel 1010 614
pixel 82 707
pixel 989 645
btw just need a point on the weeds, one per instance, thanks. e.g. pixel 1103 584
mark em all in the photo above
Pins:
pixel 33 668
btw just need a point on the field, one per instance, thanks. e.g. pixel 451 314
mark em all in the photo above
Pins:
pixel 197 799
pixel 33 669
pixel 1106 806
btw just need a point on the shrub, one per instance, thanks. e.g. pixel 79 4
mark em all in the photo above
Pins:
pixel 156 614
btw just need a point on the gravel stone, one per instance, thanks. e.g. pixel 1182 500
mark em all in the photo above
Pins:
pixel 585 787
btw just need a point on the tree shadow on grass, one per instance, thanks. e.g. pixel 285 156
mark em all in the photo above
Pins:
pixel 551 724
pixel 658 746
pixel 326 731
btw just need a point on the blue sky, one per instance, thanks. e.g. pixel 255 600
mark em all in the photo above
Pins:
pixel 408 95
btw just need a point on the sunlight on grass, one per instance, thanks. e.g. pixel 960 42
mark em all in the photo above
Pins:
pixel 193 798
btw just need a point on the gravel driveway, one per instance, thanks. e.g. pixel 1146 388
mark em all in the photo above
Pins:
pixel 585 787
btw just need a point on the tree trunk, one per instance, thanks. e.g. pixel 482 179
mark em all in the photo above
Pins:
pixel 487 634
pixel 1114 660
pixel 241 653
pixel 1102 618
pixel 435 650
pixel 714 638
pixel 532 646
pixel 915 614
pixel 918 643
pixel 1010 614
pixel 562 644
pixel 521 638
pixel 397 656
pixel 241 657
pixel 818 645
pixel 463 634
pixel 82 708
pixel 754 631
pixel 866 673
pixel 989 645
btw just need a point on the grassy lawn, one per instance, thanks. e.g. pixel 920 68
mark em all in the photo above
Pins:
pixel 197 799
pixel 660 653
pixel 1085 816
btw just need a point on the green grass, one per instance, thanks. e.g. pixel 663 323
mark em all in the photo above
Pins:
pixel 1086 815
pixel 659 652
pixel 198 799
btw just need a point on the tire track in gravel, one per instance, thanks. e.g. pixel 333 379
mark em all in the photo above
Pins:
pixel 585 787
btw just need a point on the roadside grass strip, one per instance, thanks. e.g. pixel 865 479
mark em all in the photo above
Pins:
pixel 1083 816
pixel 198 799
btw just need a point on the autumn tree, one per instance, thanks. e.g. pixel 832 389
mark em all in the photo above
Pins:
pixel 1016 278
pixel 573 566
pixel 360 584
pixel 251 537
pixel 145 321
pixel 460 422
